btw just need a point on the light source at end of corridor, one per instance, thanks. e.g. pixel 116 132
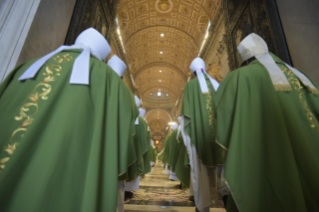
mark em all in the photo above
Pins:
pixel 159 93
pixel 162 34
pixel 161 52
pixel 160 70
pixel 160 80
pixel 157 142
pixel 171 123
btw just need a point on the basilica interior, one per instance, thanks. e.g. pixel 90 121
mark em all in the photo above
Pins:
pixel 158 39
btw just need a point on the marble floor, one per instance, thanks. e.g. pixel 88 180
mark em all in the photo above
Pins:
pixel 158 193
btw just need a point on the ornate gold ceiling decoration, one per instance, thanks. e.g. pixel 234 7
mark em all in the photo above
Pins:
pixel 163 35
pixel 158 119
pixel 164 6
pixel 160 78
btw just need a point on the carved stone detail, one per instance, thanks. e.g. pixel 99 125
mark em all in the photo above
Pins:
pixel 243 17
pixel 98 14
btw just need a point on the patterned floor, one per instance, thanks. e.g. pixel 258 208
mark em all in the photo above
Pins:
pixel 157 190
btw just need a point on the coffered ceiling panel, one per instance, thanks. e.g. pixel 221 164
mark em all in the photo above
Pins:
pixel 161 38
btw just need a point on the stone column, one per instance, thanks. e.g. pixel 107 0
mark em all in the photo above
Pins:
pixel 300 20
pixel 16 17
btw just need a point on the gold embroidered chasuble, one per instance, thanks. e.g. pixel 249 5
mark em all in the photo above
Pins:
pixel 272 140
pixel 64 146
pixel 198 112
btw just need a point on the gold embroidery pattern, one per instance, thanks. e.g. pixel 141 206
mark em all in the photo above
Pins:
pixel 29 110
pixel 209 107
pixel 297 86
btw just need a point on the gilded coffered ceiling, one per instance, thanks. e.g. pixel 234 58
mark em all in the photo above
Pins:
pixel 161 38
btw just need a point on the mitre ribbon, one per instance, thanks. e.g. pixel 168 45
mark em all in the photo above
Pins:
pixel 81 67
pixel 202 81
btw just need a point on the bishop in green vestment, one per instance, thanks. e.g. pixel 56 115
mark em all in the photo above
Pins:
pixel 65 123
pixel 120 67
pixel 154 155
pixel 142 152
pixel 176 156
pixel 144 130
pixel 267 118
pixel 198 132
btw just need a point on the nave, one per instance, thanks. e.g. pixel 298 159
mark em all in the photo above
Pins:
pixel 223 92
pixel 158 193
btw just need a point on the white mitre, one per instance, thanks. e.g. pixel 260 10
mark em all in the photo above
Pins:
pixel 198 66
pixel 152 142
pixel 254 46
pixel 142 112
pixel 91 42
pixel 137 101
pixel 138 104
pixel 175 126
pixel 99 46
pixel 117 65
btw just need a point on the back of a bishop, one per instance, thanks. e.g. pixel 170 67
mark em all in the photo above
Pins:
pixel 63 121
pixel 198 132
pixel 267 118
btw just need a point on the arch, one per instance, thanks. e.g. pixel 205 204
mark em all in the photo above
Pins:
pixel 150 27
pixel 157 64
pixel 154 110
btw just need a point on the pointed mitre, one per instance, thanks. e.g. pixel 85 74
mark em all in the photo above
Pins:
pixel 137 101
pixel 175 126
pixel 97 43
pixel 198 66
pixel 117 65
pixel 142 112
pixel 254 46
pixel 91 42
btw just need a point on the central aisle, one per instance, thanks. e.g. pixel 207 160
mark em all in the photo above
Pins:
pixel 158 193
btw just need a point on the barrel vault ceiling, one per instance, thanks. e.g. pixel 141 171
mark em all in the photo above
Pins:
pixel 161 38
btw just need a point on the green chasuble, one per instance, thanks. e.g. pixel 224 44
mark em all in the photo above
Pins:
pixel 272 139
pixel 161 156
pixel 173 150
pixel 198 112
pixel 182 169
pixel 63 146
pixel 175 155
pixel 143 145
pixel 154 154
pixel 146 147
pixel 133 159
pixel 167 149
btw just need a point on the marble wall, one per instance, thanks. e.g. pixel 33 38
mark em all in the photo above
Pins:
pixel 300 20
pixel 49 28
pixel 217 58
pixel 16 17
pixel 30 29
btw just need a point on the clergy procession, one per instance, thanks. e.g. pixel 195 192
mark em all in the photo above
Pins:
pixel 75 138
